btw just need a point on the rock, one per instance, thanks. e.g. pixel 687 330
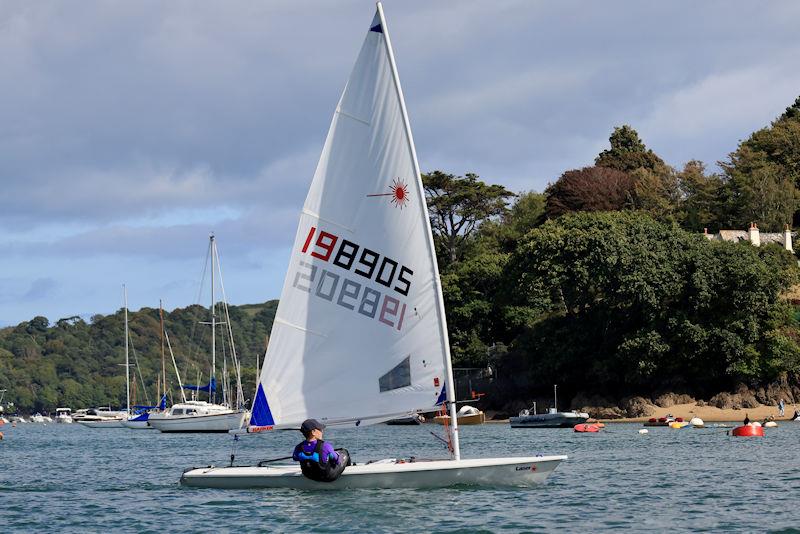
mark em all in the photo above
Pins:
pixel 605 412
pixel 596 406
pixel 723 401
pixel 666 400
pixel 582 400
pixel 774 392
pixel 701 403
pixel 636 407
pixel 743 398
pixel 746 397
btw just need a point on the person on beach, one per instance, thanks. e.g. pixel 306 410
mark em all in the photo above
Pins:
pixel 318 459
pixel 781 407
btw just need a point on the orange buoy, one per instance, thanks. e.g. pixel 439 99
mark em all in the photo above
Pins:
pixel 583 427
pixel 748 431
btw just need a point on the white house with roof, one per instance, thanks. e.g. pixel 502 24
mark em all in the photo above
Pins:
pixel 754 236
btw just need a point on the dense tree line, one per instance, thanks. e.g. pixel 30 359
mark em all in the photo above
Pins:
pixel 81 364
pixel 603 283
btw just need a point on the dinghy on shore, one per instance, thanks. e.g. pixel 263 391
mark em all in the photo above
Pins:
pixel 360 335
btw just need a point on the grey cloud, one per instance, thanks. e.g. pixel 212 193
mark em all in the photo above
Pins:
pixel 119 114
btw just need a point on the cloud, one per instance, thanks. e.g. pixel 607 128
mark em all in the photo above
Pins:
pixel 129 131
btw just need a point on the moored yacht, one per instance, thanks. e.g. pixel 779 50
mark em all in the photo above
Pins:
pixel 198 416
pixel 209 416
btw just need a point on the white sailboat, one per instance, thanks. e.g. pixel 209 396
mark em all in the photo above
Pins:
pixel 140 415
pixel 202 416
pixel 360 335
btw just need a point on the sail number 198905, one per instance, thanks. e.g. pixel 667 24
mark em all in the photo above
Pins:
pixel 354 293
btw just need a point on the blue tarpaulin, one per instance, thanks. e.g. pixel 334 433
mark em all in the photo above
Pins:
pixel 208 388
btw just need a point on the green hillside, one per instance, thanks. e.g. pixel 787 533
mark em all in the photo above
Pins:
pixel 78 364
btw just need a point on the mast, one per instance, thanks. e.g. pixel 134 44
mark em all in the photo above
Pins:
pixel 127 363
pixel 212 396
pixel 555 396
pixel 449 384
pixel 163 359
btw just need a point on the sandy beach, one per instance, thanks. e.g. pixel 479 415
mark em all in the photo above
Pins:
pixel 713 414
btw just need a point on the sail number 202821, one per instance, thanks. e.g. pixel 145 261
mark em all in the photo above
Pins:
pixel 354 294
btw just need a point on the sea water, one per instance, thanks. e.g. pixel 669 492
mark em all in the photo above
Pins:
pixel 69 478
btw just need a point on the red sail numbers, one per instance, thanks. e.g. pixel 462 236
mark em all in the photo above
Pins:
pixel 349 292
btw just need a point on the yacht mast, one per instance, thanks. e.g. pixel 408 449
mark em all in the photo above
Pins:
pixel 163 359
pixel 127 363
pixel 212 395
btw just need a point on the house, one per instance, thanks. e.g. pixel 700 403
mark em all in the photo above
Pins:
pixel 754 236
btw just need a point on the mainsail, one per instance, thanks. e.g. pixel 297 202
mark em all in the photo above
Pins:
pixel 359 335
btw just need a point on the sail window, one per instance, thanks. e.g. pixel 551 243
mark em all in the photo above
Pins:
pixel 398 377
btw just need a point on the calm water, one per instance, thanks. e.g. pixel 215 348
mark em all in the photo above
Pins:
pixel 71 478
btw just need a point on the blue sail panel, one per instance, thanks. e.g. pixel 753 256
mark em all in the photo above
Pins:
pixel 442 396
pixel 261 417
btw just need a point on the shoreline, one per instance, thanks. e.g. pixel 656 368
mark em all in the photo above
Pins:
pixel 708 414
pixel 712 414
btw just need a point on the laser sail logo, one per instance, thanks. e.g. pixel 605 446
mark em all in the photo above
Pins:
pixel 398 193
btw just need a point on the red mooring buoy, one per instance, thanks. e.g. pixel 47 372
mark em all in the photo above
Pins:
pixel 748 431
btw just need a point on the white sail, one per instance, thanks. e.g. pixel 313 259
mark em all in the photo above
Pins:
pixel 359 335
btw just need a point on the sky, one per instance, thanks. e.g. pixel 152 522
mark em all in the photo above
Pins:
pixel 129 131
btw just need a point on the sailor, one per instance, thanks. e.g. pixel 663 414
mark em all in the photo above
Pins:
pixel 746 419
pixel 318 460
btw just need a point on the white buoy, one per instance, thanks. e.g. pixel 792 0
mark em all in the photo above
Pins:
pixel 770 424
pixel 697 422
pixel 644 431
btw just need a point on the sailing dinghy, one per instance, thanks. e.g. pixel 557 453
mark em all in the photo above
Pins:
pixel 360 335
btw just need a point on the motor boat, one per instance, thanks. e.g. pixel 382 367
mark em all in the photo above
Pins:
pixel 63 415
pixel 551 419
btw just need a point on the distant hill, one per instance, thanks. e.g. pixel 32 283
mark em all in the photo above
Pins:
pixel 78 364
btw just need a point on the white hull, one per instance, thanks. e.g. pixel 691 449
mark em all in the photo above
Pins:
pixel 137 425
pixel 523 471
pixel 549 420
pixel 111 423
pixel 64 420
pixel 200 423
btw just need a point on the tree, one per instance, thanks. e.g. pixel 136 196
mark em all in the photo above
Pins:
pixel 758 190
pixel 628 152
pixel 656 192
pixel 527 213
pixel 701 207
pixel 623 302
pixel 766 164
pixel 457 206
pixel 590 189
